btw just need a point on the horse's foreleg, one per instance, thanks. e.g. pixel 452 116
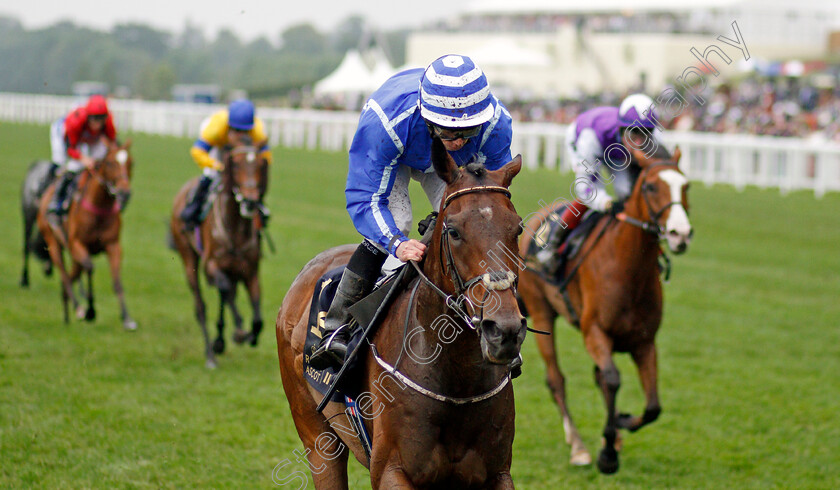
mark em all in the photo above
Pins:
pixel 82 262
pixel 645 359
pixel 391 476
pixel 114 252
pixel 255 294
pixel 223 284
pixel 57 258
pixel 27 232
pixel 191 269
pixel 503 482
pixel 608 379
pixel 543 319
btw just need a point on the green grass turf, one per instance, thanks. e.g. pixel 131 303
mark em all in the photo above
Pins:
pixel 749 349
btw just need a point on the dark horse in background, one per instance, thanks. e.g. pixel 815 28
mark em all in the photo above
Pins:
pixel 92 225
pixel 454 426
pixel 227 243
pixel 613 295
pixel 40 175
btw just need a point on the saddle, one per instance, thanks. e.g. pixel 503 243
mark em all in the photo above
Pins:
pixel 549 250
pixel 363 312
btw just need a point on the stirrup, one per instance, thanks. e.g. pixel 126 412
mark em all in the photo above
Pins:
pixel 324 356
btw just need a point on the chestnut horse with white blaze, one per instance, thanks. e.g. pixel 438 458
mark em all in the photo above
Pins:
pixel 613 295
pixel 446 422
pixel 228 243
pixel 92 226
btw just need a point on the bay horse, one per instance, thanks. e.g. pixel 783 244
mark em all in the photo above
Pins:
pixel 92 226
pixel 445 420
pixel 227 243
pixel 38 178
pixel 614 295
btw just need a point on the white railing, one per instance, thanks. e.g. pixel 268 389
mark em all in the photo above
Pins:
pixel 740 160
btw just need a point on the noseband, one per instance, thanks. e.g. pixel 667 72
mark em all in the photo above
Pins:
pixel 652 225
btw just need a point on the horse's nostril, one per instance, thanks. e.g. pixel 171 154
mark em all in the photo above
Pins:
pixel 674 233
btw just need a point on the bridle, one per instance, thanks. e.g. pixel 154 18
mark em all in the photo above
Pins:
pixel 652 225
pixel 250 178
pixel 460 302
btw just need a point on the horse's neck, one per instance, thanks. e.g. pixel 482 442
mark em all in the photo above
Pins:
pixel 638 247
pixel 95 192
pixel 229 210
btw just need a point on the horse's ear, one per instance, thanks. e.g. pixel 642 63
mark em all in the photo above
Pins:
pixel 444 165
pixel 677 154
pixel 510 170
pixel 639 157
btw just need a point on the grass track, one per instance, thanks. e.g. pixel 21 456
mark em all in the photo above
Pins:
pixel 749 349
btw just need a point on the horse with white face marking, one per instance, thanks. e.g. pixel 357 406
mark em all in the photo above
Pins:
pixel 613 294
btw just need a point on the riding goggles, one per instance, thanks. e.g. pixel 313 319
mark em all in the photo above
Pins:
pixel 452 134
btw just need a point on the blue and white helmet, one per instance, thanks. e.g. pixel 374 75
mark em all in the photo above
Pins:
pixel 454 93
pixel 637 110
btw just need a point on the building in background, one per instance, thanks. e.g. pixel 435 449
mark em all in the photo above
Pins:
pixel 545 49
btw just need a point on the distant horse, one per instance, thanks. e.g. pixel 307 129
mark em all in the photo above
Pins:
pixel 39 176
pixel 227 242
pixel 452 423
pixel 613 295
pixel 92 225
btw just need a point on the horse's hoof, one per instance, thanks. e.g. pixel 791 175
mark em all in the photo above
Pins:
pixel 240 336
pixel 24 282
pixel 607 462
pixel 210 364
pixel 81 313
pixel 90 314
pixel 130 325
pixel 252 339
pixel 581 458
pixel 218 345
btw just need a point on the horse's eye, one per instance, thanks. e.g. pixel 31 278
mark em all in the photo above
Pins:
pixel 453 233
pixel 649 187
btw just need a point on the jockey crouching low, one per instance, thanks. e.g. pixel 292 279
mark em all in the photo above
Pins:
pixel 598 140
pixel 450 100
pixel 77 141
pixel 226 127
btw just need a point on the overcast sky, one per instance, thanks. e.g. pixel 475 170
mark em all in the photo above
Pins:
pixel 247 18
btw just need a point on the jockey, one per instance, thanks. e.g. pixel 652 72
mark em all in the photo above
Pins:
pixel 450 100
pixel 599 139
pixel 77 141
pixel 217 131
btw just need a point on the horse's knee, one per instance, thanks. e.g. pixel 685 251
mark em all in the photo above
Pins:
pixel 611 378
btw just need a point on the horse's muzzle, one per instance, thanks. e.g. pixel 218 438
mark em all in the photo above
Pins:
pixel 122 199
pixel 501 338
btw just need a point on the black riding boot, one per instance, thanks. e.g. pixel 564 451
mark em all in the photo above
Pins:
pixel 357 282
pixel 192 211
pixel 64 188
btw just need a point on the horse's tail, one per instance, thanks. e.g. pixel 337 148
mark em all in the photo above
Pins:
pixel 170 240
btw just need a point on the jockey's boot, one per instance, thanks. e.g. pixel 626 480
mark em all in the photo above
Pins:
pixel 569 220
pixel 357 282
pixel 191 213
pixel 64 188
pixel 335 334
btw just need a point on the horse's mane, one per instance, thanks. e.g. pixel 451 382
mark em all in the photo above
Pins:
pixel 477 169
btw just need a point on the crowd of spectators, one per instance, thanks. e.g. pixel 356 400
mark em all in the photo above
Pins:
pixel 776 106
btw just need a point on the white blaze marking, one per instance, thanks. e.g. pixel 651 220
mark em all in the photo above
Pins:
pixel 678 219
pixel 122 157
pixel 487 212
